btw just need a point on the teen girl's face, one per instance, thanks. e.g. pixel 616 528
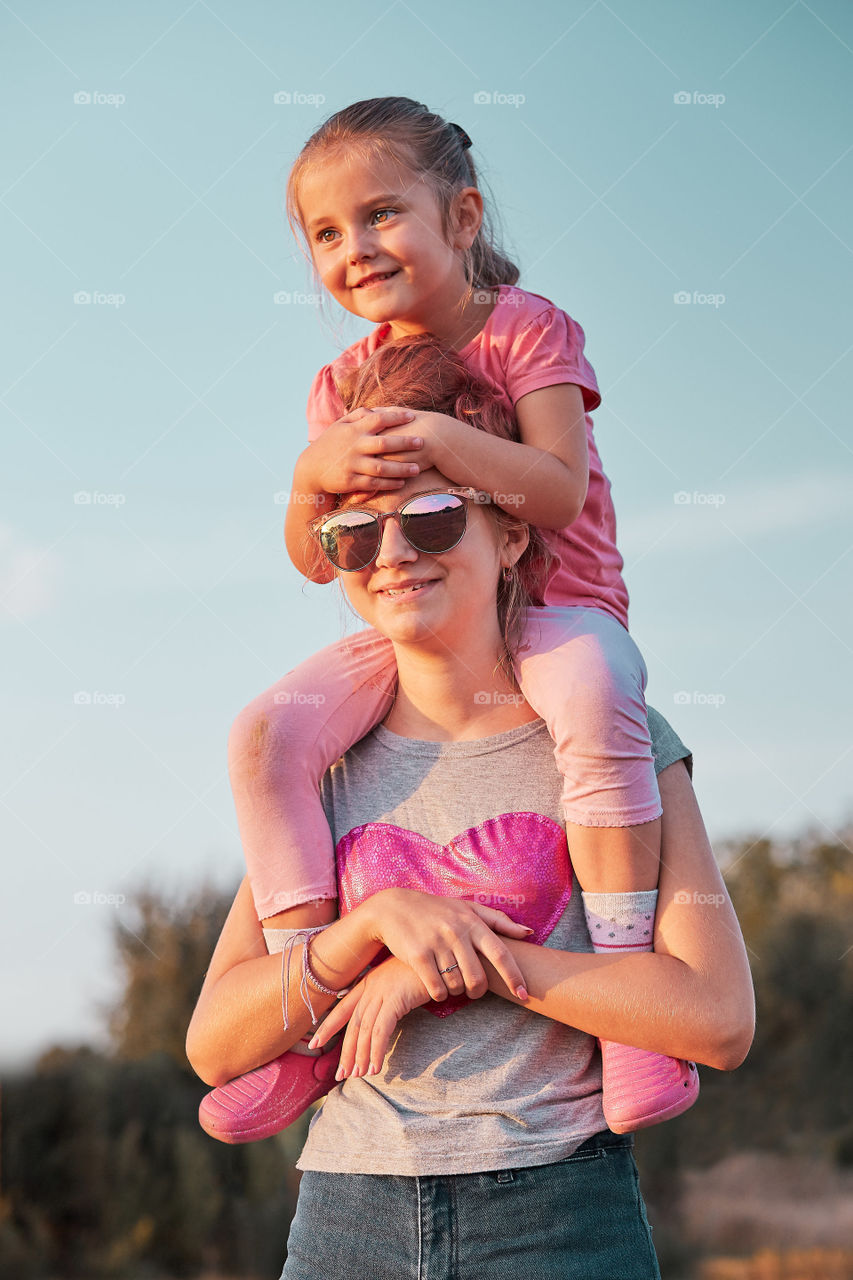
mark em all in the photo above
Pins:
pixel 431 601
pixel 377 241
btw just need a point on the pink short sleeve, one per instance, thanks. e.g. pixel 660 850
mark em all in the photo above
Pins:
pixel 324 403
pixel 548 351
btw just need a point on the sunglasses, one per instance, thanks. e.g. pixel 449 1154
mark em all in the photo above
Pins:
pixel 430 522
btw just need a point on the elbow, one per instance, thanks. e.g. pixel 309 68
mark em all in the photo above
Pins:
pixel 203 1062
pixel 731 1038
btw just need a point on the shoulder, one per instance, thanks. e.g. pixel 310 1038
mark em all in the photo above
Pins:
pixel 667 747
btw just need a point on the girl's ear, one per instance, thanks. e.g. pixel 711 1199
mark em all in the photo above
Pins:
pixel 515 540
pixel 467 217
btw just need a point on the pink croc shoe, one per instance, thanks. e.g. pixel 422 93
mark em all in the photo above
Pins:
pixel 267 1100
pixel 640 1089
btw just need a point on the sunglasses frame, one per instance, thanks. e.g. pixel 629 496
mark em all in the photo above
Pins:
pixel 466 493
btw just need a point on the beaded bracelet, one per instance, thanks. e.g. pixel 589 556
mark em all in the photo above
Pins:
pixel 307 976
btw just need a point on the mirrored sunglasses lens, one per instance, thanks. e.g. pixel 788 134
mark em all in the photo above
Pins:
pixel 435 522
pixel 350 541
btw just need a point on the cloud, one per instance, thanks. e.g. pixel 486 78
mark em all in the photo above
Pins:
pixel 27 575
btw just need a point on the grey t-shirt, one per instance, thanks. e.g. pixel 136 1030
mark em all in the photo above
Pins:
pixel 490 1085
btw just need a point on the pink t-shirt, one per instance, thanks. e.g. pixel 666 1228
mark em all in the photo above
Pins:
pixel 525 344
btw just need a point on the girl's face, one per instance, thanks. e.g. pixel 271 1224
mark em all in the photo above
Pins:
pixel 433 601
pixel 377 241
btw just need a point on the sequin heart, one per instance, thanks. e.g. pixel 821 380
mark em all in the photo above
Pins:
pixel 518 862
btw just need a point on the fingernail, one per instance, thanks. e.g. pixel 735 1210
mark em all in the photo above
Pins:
pixel 527 929
pixel 413 468
pixel 356 1071
pixel 339 1074
pixel 373 1069
pixel 522 993
pixel 417 441
pixel 312 1043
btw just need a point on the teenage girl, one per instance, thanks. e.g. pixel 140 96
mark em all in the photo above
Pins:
pixel 385 195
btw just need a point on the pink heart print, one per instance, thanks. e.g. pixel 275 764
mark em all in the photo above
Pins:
pixel 517 862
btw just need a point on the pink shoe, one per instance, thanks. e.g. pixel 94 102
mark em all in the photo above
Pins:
pixel 640 1089
pixel 267 1100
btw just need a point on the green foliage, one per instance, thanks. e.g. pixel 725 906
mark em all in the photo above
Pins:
pixel 107 1172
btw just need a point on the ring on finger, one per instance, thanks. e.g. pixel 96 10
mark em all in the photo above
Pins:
pixel 449 968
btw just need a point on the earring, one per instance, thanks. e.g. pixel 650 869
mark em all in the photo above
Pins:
pixel 507 573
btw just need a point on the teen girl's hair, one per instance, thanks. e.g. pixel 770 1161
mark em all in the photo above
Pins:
pixel 420 372
pixel 411 134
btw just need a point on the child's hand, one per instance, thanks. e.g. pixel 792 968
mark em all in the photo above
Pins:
pixel 439 939
pixel 437 432
pixel 352 455
pixel 370 1012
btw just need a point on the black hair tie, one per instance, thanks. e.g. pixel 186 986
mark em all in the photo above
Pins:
pixel 462 135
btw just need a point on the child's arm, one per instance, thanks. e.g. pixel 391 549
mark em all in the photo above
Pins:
pixel 349 457
pixel 543 478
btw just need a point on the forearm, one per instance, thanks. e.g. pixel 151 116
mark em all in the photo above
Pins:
pixel 305 502
pixel 238 1021
pixel 526 481
pixel 690 998
pixel 654 1002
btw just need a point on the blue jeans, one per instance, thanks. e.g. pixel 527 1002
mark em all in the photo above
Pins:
pixel 582 1218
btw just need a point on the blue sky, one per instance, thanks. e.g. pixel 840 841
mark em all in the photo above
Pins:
pixel 635 153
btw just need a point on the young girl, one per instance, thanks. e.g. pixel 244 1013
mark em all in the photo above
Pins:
pixel 386 196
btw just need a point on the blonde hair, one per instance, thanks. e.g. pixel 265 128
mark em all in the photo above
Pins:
pixel 409 133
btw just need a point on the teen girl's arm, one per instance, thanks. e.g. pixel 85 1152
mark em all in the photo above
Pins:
pixel 542 478
pixel 690 998
pixel 238 1022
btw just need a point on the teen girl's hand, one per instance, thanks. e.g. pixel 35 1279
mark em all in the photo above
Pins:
pixel 353 454
pixel 440 938
pixel 370 1012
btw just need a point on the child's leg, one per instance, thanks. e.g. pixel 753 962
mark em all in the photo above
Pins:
pixel 280 746
pixel 581 671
